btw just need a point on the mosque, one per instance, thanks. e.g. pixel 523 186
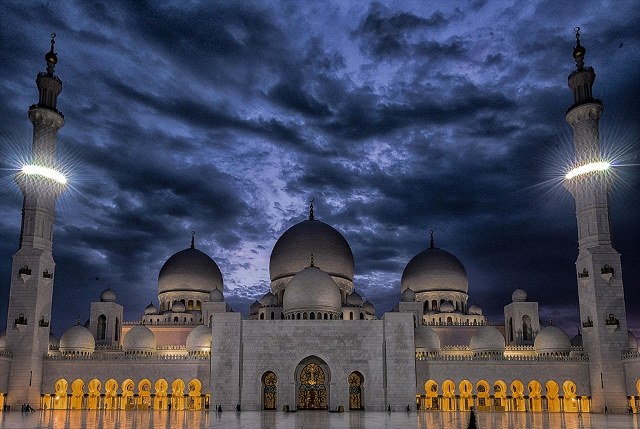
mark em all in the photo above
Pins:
pixel 313 342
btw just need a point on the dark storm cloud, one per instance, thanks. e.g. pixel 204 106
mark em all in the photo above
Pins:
pixel 226 118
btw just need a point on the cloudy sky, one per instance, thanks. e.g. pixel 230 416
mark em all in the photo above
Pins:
pixel 397 117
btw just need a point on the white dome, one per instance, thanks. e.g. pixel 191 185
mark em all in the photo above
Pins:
pixel 633 342
pixel 408 295
pixel 150 309
pixel 552 339
pixel 268 300
pixel 199 339
pixel 434 269
pixel 293 249
pixel 312 290
pixel 355 299
pixel 108 295
pixel 178 307
pixel 475 310
pixel 189 270
pixel 487 339
pixel 426 338
pixel 77 339
pixel 447 307
pixel 255 307
pixel 519 295
pixel 369 308
pixel 139 339
pixel 216 295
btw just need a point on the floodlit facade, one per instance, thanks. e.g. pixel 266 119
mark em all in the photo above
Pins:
pixel 312 341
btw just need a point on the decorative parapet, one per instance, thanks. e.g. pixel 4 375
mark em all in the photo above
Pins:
pixel 587 323
pixel 521 348
pixel 499 357
pixel 584 274
pixel 107 347
pixel 172 347
pixel 6 354
pixel 631 355
pixel 127 357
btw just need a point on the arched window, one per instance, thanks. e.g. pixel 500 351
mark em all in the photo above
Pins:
pixel 361 316
pixel 304 316
pixel 434 305
pixel 298 316
pixel 351 315
pixel 312 316
pixel 261 316
pixel 325 316
pixel 527 332
pixel 269 390
pixel 102 327
pixel 175 319
pixel 355 380
pixel 272 316
pixel 117 332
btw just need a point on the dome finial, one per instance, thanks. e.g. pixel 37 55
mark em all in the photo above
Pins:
pixel 431 243
pixel 50 57
pixel 579 50
pixel 311 264
pixel 193 239
pixel 311 209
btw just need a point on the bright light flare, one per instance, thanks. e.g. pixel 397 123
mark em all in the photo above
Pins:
pixel 588 168
pixel 49 173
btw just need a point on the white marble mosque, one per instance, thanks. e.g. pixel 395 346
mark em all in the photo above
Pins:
pixel 313 341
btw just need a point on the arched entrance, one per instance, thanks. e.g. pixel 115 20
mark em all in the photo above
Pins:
pixel 312 381
pixel 269 391
pixel 356 400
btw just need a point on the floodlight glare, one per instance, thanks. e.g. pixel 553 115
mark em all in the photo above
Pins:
pixel 588 168
pixel 49 173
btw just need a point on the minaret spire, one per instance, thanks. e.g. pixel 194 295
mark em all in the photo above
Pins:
pixel 193 239
pixel 599 273
pixel 431 243
pixel 311 209
pixel 32 275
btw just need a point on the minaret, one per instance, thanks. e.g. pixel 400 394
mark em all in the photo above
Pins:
pixel 32 272
pixel 600 291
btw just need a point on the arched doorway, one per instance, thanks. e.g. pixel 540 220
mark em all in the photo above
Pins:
pixel 312 380
pixel 269 390
pixel 356 400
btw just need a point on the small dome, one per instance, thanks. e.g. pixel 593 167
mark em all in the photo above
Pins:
pixel 150 309
pixel 108 295
pixel 519 295
pixel 475 310
pixel 330 250
pixel 408 295
pixel 178 307
pixel 426 338
pixel 369 308
pixel 447 307
pixel 268 300
pixel 77 340
pixel 355 299
pixel 199 339
pixel 255 307
pixel 434 269
pixel 552 339
pixel 139 339
pixel 633 342
pixel 189 270
pixel 216 295
pixel 487 339
pixel 312 289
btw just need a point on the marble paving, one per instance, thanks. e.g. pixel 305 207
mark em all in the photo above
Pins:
pixel 60 419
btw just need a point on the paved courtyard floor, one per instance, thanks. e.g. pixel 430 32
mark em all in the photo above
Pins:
pixel 60 419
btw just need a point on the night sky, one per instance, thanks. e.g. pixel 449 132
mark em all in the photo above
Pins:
pixel 397 117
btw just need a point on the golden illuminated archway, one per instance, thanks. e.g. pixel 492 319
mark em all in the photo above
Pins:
pixel 449 396
pixel 195 398
pixel 144 394
pixel 466 393
pixel 60 401
pixel 93 400
pixel 570 399
pixel 553 401
pixel 160 402
pixel 269 390
pixel 431 395
pixel 517 396
pixel 177 394
pixel 484 400
pixel 77 394
pixel 312 385
pixel 111 395
pixel 499 395
pixel 535 395
pixel 356 400
pixel 128 400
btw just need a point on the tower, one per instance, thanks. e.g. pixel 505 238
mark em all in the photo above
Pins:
pixel 600 291
pixel 32 271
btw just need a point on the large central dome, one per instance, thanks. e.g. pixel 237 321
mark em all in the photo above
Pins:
pixel 434 269
pixel 330 251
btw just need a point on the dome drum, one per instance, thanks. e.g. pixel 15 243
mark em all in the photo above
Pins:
pixel 434 299
pixel 192 301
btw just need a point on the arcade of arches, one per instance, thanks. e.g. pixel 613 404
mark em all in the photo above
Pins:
pixel 126 395
pixel 498 396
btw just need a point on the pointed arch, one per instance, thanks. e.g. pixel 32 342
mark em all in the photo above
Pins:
pixel 161 387
pixel 128 401
pixel 60 400
pixel 517 396
pixel 431 395
pixel 144 394
pixel 269 390
pixel 535 395
pixel 312 384
pixel 110 394
pixel 195 395
pixel 499 395
pixel 551 393
pixel 93 400
pixel 177 394
pixel 466 395
pixel 570 400
pixel 448 396
pixel 356 397
pixel 483 393
pixel 77 394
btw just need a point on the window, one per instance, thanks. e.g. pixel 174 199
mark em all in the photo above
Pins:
pixel 102 327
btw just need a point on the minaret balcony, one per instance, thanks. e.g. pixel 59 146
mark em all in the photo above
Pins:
pixel 24 273
pixel 611 323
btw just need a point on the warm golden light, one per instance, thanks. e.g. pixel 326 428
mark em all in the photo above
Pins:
pixel 588 168
pixel 49 173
